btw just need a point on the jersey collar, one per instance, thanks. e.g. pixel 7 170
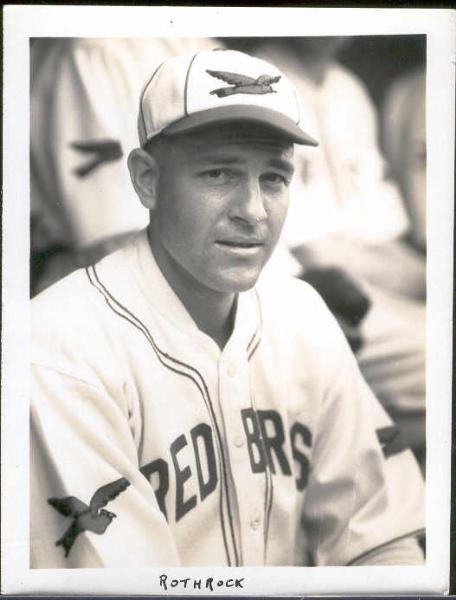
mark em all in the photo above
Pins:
pixel 160 294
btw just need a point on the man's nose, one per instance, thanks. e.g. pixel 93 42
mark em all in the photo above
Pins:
pixel 249 202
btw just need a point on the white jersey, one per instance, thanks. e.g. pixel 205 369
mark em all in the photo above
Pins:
pixel 272 451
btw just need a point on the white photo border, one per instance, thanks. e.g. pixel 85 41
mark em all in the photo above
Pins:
pixel 24 22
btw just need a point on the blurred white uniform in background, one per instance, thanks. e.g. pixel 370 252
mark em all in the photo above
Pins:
pixel 345 212
pixel 404 138
pixel 84 105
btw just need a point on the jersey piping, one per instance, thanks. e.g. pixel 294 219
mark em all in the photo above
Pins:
pixel 269 491
pixel 163 357
pixel 414 533
pixel 256 338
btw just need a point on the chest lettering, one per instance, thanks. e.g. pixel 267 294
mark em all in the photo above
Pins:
pixel 265 435
pixel 157 472
pixel 266 446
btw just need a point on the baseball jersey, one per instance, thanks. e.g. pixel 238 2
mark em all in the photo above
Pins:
pixel 151 446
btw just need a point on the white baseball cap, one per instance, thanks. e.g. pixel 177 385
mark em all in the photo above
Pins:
pixel 218 86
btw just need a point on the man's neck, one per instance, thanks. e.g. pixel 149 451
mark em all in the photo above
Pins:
pixel 213 316
pixel 212 311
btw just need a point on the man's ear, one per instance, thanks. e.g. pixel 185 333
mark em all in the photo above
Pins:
pixel 144 176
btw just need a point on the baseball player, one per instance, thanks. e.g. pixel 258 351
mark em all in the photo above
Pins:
pixel 186 411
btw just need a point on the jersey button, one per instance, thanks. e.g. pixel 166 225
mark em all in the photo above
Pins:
pixel 255 523
pixel 239 441
pixel 232 370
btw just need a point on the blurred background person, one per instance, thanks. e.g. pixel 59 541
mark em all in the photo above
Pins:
pixel 347 228
pixel 404 141
pixel 84 98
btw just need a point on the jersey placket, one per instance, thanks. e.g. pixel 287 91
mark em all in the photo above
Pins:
pixel 247 487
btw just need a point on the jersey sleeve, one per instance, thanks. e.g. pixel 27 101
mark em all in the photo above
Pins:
pixel 405 551
pixel 90 504
pixel 84 103
pixel 365 488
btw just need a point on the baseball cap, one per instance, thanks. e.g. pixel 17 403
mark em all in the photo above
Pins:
pixel 191 91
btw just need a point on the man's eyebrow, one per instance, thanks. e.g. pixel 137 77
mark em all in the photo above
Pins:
pixel 213 157
pixel 284 165
pixel 222 159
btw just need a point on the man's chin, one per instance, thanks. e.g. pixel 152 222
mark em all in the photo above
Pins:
pixel 239 282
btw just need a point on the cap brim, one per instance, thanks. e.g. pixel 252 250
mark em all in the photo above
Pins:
pixel 256 114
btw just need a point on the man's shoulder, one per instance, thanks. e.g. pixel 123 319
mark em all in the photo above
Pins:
pixel 294 305
pixel 64 316
pixel 75 303
pixel 73 330
pixel 298 328
pixel 65 294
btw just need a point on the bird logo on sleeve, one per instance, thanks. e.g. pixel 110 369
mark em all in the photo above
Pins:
pixel 97 152
pixel 243 84
pixel 391 440
pixel 87 518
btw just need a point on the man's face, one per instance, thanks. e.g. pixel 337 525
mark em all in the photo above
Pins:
pixel 222 201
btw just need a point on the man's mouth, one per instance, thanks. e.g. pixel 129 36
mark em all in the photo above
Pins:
pixel 240 243
pixel 241 248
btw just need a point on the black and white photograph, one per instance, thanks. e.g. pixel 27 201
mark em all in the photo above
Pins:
pixel 227 300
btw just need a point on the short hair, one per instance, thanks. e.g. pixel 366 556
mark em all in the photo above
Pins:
pixel 156 145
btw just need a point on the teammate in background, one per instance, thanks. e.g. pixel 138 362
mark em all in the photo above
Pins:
pixel 346 229
pixel 404 140
pixel 84 95
pixel 185 411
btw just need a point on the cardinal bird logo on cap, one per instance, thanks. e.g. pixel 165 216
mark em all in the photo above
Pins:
pixel 87 518
pixel 243 84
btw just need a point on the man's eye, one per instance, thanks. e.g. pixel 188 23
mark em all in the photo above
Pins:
pixel 217 176
pixel 214 173
pixel 276 179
